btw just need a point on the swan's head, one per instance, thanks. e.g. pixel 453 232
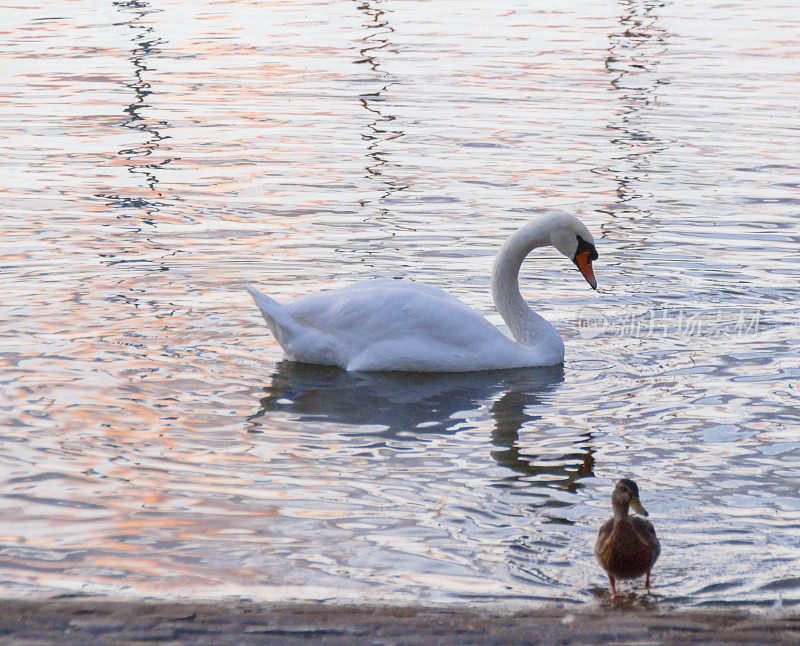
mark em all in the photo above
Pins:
pixel 571 237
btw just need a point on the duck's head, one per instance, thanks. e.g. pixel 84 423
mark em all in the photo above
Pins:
pixel 626 494
pixel 571 237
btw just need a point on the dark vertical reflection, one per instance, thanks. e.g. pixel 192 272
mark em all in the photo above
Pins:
pixel 634 54
pixel 382 126
pixel 138 157
pixel 139 205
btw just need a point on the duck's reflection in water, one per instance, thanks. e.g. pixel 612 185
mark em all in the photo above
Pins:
pixel 397 405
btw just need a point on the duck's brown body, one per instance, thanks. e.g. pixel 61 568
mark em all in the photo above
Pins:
pixel 626 547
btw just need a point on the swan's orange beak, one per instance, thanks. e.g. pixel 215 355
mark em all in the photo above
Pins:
pixel 584 262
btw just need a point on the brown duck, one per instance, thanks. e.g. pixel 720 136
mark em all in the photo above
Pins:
pixel 627 547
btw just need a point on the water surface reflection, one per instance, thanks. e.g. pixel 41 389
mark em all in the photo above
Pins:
pixel 394 404
pixel 637 46
pixel 511 413
pixel 140 157
pixel 301 146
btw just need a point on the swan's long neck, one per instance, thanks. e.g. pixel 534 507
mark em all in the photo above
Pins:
pixel 526 326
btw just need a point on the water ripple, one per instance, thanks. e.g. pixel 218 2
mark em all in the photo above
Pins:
pixel 159 155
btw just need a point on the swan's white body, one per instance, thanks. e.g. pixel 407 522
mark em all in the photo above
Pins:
pixel 387 325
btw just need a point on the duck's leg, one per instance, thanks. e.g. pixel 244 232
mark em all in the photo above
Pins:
pixel 647 580
pixel 613 586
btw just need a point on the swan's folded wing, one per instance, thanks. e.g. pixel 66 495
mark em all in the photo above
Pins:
pixel 388 311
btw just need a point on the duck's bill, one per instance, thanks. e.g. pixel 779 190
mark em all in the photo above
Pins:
pixel 584 262
pixel 637 507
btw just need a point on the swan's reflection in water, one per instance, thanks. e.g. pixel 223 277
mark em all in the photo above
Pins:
pixel 521 509
pixel 563 471
pixel 397 405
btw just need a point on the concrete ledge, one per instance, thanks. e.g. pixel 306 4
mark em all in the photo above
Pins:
pixel 81 621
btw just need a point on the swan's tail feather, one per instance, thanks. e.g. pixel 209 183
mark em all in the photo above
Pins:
pixel 300 342
pixel 273 312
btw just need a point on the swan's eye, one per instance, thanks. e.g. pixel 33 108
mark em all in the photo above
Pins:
pixel 583 257
pixel 585 247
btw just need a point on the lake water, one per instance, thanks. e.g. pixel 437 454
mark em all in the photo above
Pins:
pixel 156 155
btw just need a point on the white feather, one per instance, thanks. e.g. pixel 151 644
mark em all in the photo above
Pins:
pixel 388 325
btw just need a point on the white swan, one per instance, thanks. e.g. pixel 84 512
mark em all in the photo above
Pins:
pixel 385 324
